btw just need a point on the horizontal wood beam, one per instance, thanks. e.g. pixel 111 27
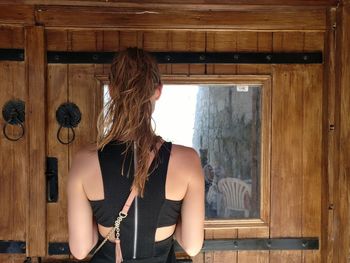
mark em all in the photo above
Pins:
pixel 16 14
pixel 177 2
pixel 295 19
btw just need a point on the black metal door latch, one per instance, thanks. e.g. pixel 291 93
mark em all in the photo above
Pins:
pixel 51 179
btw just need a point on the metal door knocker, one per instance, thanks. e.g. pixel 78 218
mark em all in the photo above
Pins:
pixel 68 115
pixel 13 113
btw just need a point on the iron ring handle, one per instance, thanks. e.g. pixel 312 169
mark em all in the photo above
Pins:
pixel 69 141
pixel 8 137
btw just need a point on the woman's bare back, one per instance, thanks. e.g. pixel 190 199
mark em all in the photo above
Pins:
pixel 175 187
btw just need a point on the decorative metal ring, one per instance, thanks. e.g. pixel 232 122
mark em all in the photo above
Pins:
pixel 68 115
pixel 69 141
pixel 8 137
pixel 13 113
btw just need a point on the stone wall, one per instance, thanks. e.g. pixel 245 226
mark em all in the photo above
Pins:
pixel 227 131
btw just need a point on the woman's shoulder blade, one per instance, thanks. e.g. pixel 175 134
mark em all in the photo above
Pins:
pixel 184 151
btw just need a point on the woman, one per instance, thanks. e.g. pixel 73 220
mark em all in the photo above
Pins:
pixel 168 177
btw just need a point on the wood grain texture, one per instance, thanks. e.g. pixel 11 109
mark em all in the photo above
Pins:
pixel 221 42
pixel 206 3
pixel 225 29
pixel 312 156
pixel 16 14
pixel 253 257
pixel 12 258
pixel 13 158
pixel 285 256
pixel 20 159
pixel 77 84
pixel 295 86
pixel 341 181
pixel 330 154
pixel 286 158
pixel 56 39
pixel 290 19
pixel 57 93
pixel 220 256
pixel 286 163
pixel 36 114
pixel 86 92
pixel 297 137
pixel 11 37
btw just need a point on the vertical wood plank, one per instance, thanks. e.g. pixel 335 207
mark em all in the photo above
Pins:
pixel 187 41
pixel 158 42
pixel 19 203
pixel 6 223
pixel 13 162
pixel 247 41
pixel 208 256
pixel 57 93
pixel 330 154
pixel 11 37
pixel 222 42
pixel 285 256
pixel 85 91
pixel 56 39
pixel 12 258
pixel 265 44
pixel 111 41
pixel 288 41
pixel 57 229
pixel 286 163
pixel 36 113
pixel 287 146
pixel 253 256
pixel 197 44
pixel 342 176
pixel 313 138
pixel 129 39
pixel 198 258
pixel 312 156
pixel 314 41
pixel 224 256
pixel 83 40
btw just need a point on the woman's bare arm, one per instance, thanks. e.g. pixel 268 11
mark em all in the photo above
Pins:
pixel 82 228
pixel 189 231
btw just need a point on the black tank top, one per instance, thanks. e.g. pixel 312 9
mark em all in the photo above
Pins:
pixel 137 231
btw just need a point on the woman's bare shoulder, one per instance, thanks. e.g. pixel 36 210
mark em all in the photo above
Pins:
pixel 183 152
pixel 83 160
pixel 184 158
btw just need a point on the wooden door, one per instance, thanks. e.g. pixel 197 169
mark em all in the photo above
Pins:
pixel 13 154
pixel 75 84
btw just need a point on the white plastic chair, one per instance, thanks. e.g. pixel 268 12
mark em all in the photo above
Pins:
pixel 233 191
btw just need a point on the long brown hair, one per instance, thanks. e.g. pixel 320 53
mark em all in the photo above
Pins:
pixel 127 116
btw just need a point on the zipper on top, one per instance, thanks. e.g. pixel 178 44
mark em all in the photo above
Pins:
pixel 136 207
pixel 135 228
